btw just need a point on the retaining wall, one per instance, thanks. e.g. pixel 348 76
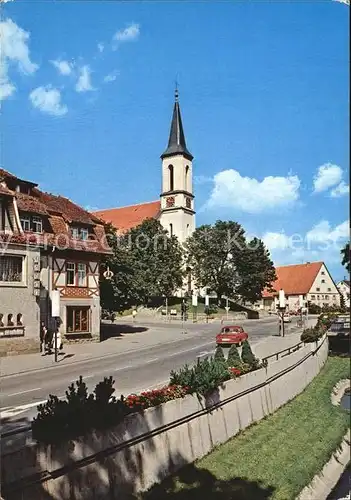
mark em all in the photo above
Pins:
pixel 145 448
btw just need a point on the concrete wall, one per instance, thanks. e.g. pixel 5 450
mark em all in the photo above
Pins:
pixel 145 448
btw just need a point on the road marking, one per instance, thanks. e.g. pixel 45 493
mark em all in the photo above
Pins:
pixel 21 392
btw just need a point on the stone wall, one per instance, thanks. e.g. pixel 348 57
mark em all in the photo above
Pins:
pixel 145 448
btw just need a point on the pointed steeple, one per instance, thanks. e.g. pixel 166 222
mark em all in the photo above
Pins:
pixel 176 142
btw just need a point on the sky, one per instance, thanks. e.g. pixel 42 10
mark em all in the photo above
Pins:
pixel 87 91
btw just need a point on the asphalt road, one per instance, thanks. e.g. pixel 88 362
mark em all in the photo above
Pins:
pixel 133 372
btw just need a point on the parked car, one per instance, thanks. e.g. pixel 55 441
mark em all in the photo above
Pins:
pixel 287 318
pixel 231 334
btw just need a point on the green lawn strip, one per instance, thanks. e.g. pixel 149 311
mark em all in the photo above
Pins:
pixel 283 451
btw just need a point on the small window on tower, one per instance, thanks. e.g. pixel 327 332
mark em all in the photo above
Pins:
pixel 171 229
pixel 171 177
pixel 186 180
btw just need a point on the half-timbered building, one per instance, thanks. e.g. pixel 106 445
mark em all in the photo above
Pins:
pixel 47 243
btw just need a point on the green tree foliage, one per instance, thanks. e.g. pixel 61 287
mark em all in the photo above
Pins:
pixel 146 262
pixel 234 360
pixel 219 355
pixel 223 261
pixel 345 252
pixel 247 356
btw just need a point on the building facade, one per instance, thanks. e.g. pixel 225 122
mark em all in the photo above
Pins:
pixel 302 283
pixel 47 243
pixel 175 209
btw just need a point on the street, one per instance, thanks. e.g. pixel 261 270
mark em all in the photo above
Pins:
pixel 134 371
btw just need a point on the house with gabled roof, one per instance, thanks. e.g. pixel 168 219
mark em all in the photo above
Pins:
pixel 310 282
pixel 175 208
pixel 47 242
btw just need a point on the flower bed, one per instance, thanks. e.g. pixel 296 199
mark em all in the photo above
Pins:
pixel 80 412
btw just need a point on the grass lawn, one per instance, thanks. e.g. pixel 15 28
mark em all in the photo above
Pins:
pixel 275 458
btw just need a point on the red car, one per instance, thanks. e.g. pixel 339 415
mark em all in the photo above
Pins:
pixel 231 334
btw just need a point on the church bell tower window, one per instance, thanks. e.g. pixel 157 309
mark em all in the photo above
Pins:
pixel 171 177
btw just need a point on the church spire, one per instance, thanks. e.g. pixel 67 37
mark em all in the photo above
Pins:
pixel 176 142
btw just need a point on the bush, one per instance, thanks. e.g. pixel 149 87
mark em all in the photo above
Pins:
pixel 203 378
pixel 234 359
pixel 59 420
pixel 310 335
pixel 219 355
pixel 247 355
pixel 314 308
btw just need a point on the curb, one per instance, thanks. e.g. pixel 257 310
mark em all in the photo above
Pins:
pixel 323 483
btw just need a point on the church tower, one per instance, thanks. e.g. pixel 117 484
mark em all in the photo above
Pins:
pixel 177 199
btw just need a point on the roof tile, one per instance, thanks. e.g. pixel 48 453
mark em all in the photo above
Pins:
pixel 295 279
pixel 125 218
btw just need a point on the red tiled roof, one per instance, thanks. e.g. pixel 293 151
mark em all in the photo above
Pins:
pixel 58 210
pixel 294 280
pixel 125 218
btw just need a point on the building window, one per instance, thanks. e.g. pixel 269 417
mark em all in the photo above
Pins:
pixel 70 273
pixel 317 297
pixel 326 297
pixel 186 180
pixel 171 177
pixel 75 233
pixel 322 281
pixel 329 289
pixel 82 275
pixel 322 273
pixel 37 225
pixel 334 297
pixel 318 289
pixel 10 320
pixel 19 319
pixel 171 229
pixel 25 222
pixel 77 319
pixel 11 268
pixel 313 297
pixel 79 233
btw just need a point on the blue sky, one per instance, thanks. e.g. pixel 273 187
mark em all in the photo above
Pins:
pixel 87 95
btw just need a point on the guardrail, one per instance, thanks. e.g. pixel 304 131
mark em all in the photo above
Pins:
pixel 287 350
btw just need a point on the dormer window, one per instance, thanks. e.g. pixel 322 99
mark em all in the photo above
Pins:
pixel 80 233
pixel 25 222
pixel 31 223
pixel 37 224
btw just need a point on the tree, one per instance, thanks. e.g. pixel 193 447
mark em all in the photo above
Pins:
pixel 247 355
pixel 223 261
pixel 146 262
pixel 345 252
pixel 234 360
pixel 219 355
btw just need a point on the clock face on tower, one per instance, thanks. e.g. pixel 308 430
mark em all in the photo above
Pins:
pixel 170 201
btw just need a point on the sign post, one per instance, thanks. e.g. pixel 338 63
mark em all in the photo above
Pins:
pixel 207 307
pixel 194 303
pixel 55 313
pixel 281 310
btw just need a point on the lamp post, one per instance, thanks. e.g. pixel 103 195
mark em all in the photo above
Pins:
pixel 194 303
pixel 207 306
pixel 281 309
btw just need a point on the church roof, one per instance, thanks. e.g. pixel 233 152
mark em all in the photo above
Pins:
pixel 176 142
pixel 125 218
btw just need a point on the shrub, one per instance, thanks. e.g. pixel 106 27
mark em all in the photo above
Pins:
pixel 219 355
pixel 314 308
pixel 247 356
pixel 234 357
pixel 203 378
pixel 310 335
pixel 58 420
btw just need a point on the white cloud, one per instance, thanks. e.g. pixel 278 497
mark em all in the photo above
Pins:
pixel 231 190
pixel 111 77
pixel 48 100
pixel 14 51
pixel 84 82
pixel 202 179
pixel 321 242
pixel 63 67
pixel 100 47
pixel 327 176
pixel 340 190
pixel 130 33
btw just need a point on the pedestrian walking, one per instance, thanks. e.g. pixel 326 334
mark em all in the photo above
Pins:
pixel 43 332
